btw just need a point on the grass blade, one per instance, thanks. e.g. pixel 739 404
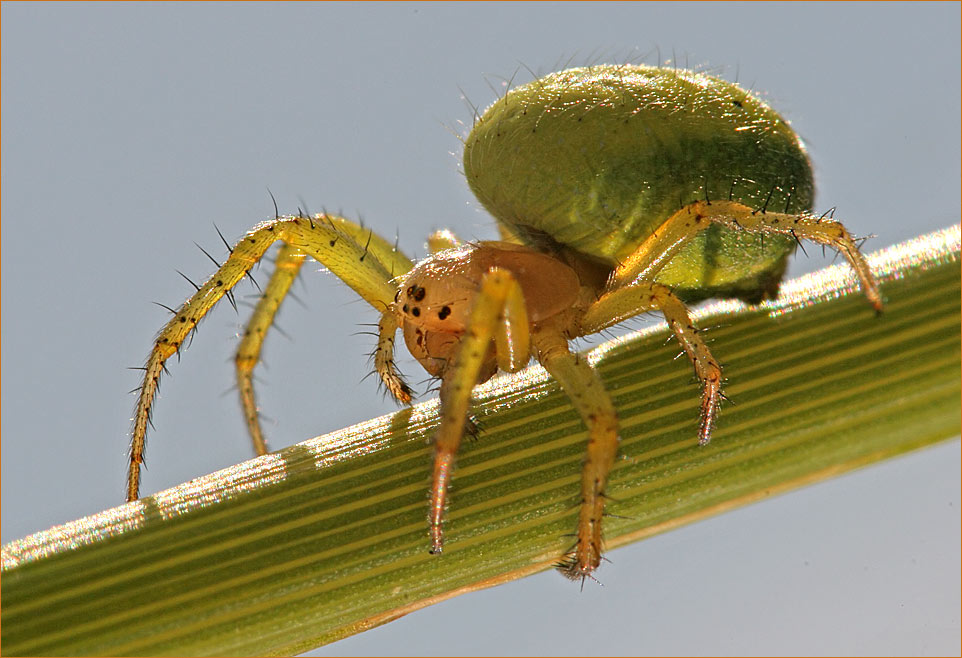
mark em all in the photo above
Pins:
pixel 328 538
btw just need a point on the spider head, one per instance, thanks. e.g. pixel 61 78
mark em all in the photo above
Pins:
pixel 433 304
pixel 435 298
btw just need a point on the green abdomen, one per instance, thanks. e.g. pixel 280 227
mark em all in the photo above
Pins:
pixel 598 158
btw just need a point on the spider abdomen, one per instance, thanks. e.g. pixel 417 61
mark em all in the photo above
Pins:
pixel 628 146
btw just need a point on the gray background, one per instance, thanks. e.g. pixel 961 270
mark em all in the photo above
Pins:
pixel 129 129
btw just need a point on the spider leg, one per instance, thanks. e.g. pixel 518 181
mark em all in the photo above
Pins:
pixel 384 358
pixel 396 264
pixel 655 252
pixel 587 392
pixel 498 315
pixel 643 296
pixel 287 265
pixel 365 262
pixel 390 258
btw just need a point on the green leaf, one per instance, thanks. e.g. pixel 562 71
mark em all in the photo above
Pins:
pixel 329 537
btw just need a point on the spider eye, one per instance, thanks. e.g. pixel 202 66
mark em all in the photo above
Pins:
pixel 415 311
pixel 444 312
pixel 405 308
pixel 419 294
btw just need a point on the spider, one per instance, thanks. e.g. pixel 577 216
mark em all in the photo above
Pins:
pixel 618 190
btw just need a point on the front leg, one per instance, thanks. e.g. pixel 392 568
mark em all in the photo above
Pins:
pixel 499 317
pixel 364 261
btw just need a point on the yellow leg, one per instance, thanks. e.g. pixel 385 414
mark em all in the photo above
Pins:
pixel 499 297
pixel 645 296
pixel 393 261
pixel 366 262
pixel 668 239
pixel 511 336
pixel 384 359
pixel 587 392
pixel 287 264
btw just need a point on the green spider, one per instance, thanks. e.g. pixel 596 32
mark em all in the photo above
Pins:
pixel 618 190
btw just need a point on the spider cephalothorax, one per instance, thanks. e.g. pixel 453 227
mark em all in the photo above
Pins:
pixel 436 297
pixel 618 190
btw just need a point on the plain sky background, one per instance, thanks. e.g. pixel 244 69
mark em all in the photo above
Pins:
pixel 128 129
